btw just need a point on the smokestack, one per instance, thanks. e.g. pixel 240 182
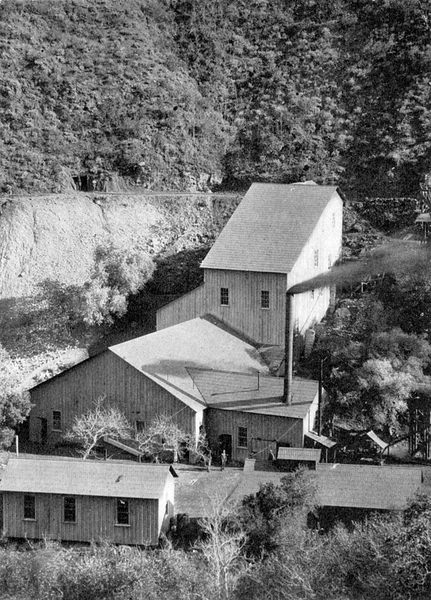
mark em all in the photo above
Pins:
pixel 288 350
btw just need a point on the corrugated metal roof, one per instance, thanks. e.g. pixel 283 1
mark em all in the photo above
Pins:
pixel 270 227
pixel 321 439
pixel 254 393
pixel 166 355
pixel 365 486
pixel 57 475
pixel 308 454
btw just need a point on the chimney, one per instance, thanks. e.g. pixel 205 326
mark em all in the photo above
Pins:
pixel 288 350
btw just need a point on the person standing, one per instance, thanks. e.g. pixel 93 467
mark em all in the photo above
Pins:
pixel 223 459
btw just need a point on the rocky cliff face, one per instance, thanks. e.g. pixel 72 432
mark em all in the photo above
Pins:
pixel 54 236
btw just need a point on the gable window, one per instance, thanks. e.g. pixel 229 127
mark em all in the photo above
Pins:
pixel 69 509
pixel 316 258
pixel 29 507
pixel 242 437
pixel 224 296
pixel 122 511
pixel 56 420
pixel 264 299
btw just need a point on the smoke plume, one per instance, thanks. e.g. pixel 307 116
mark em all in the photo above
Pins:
pixel 401 257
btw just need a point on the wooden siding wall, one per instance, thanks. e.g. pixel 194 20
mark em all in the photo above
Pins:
pixel 95 520
pixel 182 309
pixel 244 312
pixel 309 307
pixel 73 392
pixel 283 429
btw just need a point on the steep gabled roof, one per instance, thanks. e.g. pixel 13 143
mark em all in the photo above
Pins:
pixel 270 227
pixel 167 355
pixel 58 475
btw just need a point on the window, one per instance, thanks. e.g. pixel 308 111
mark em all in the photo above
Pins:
pixel 69 510
pixel 224 296
pixel 29 507
pixel 56 420
pixel 242 437
pixel 316 258
pixel 140 426
pixel 264 299
pixel 122 512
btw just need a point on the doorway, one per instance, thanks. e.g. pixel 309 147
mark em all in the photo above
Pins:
pixel 43 430
pixel 225 443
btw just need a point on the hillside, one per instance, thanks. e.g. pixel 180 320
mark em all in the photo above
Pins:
pixel 54 237
pixel 158 94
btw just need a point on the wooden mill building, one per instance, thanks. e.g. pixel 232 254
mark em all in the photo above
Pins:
pixel 82 501
pixel 198 373
pixel 278 236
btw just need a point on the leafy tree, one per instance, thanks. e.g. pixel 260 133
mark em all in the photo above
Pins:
pixel 263 513
pixel 101 420
pixel 117 274
pixel 15 403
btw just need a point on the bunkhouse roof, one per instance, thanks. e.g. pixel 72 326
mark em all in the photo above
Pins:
pixel 270 227
pixel 254 392
pixel 367 486
pixel 33 474
pixel 298 454
pixel 167 356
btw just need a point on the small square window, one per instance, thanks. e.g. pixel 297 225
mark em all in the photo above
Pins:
pixel 29 507
pixel 69 510
pixel 56 420
pixel 242 437
pixel 264 299
pixel 316 258
pixel 122 512
pixel 224 296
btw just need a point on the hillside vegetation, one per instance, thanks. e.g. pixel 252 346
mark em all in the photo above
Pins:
pixel 159 93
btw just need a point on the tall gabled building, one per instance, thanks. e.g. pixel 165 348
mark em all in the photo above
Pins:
pixel 278 236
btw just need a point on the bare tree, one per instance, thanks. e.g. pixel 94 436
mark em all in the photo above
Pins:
pixel 89 428
pixel 222 548
pixel 164 436
pixel 200 449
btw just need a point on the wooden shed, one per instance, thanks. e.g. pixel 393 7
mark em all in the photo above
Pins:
pixel 291 459
pixel 278 236
pixel 82 501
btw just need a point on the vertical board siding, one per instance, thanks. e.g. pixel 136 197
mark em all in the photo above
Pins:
pixel 327 239
pixel 74 391
pixel 244 312
pixel 182 309
pixel 95 520
pixel 284 430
